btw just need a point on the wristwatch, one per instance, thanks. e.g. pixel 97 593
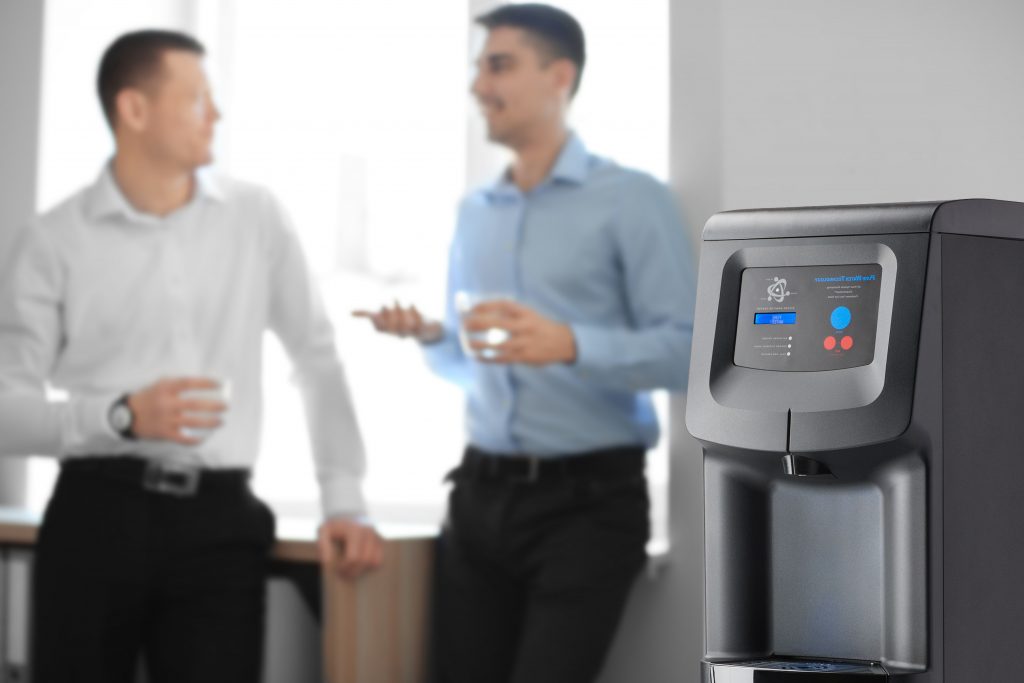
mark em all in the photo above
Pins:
pixel 121 418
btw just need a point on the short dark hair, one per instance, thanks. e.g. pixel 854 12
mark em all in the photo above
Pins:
pixel 135 58
pixel 558 32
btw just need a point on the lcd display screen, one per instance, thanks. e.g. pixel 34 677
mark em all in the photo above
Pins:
pixel 775 318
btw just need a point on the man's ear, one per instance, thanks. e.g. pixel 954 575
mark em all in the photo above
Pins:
pixel 132 109
pixel 564 71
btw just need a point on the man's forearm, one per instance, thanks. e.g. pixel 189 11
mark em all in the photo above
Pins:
pixel 334 435
pixel 32 425
pixel 638 360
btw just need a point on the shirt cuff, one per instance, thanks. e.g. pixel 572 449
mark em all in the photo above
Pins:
pixel 342 497
pixel 93 420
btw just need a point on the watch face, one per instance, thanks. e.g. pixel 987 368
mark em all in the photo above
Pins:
pixel 120 417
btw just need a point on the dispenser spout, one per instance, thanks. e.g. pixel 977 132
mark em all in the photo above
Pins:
pixel 802 466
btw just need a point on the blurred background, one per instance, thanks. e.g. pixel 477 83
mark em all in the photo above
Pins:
pixel 357 115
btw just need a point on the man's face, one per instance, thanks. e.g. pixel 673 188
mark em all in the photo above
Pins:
pixel 179 113
pixel 517 87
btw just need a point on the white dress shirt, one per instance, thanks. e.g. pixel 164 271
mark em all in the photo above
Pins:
pixel 101 300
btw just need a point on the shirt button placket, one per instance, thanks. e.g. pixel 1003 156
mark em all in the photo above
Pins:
pixel 513 241
pixel 180 317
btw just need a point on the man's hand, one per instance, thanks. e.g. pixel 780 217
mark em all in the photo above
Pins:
pixel 533 339
pixel 350 547
pixel 403 322
pixel 160 412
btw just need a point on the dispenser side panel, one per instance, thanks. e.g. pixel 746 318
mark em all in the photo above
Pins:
pixel 737 571
pixel 983 434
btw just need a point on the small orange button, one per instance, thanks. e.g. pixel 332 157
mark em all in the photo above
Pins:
pixel 830 343
pixel 846 343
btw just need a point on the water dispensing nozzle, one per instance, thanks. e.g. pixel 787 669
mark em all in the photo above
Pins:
pixel 803 466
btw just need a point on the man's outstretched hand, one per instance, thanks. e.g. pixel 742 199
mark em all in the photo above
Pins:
pixel 400 321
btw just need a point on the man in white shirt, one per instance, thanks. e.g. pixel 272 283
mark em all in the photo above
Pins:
pixel 145 297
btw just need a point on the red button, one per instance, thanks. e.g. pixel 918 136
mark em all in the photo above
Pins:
pixel 830 343
pixel 846 343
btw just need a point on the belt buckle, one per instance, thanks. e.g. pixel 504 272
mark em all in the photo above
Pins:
pixel 171 479
pixel 532 472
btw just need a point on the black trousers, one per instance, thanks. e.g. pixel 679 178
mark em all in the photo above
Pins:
pixel 534 569
pixel 122 571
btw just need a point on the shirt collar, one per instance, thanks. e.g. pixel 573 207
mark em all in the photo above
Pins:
pixel 572 163
pixel 571 167
pixel 208 186
pixel 107 199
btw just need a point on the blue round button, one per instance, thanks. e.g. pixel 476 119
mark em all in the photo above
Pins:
pixel 841 318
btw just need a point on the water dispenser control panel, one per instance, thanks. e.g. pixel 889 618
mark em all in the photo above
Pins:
pixel 808 318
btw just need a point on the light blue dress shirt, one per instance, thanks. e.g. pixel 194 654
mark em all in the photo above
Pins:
pixel 601 248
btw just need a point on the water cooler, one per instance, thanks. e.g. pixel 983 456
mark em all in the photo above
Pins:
pixel 857 384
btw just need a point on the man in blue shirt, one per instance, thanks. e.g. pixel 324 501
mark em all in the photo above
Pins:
pixel 571 287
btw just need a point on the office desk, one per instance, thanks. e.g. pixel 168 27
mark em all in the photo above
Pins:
pixel 374 629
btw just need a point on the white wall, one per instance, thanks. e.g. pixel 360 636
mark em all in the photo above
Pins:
pixel 21 30
pixel 804 102
pixel 832 101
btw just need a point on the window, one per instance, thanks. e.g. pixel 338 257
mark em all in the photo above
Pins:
pixel 356 115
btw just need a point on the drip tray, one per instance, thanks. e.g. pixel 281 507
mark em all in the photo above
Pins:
pixel 793 670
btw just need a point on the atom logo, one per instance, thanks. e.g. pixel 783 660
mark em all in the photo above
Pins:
pixel 777 291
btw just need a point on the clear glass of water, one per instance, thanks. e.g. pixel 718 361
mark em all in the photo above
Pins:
pixel 221 393
pixel 465 302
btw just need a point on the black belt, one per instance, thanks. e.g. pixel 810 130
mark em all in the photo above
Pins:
pixel 621 462
pixel 158 476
